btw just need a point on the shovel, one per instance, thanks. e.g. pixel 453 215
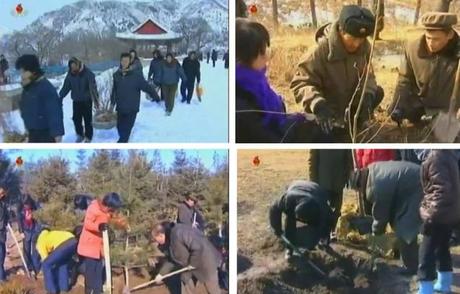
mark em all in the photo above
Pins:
pixel 108 266
pixel 297 251
pixel 446 126
pixel 19 250
pixel 185 269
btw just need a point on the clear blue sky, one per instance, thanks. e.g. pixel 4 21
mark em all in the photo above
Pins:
pixel 167 156
pixel 33 9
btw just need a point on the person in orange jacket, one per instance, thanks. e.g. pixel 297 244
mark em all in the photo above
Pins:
pixel 90 246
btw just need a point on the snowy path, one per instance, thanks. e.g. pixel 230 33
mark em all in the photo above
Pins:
pixel 203 122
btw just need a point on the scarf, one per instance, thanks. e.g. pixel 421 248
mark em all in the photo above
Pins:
pixel 256 83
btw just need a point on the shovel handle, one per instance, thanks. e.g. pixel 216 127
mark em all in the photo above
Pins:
pixel 185 269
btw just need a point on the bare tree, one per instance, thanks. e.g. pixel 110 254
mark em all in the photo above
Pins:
pixel 193 29
pixel 314 20
pixel 417 11
pixel 275 13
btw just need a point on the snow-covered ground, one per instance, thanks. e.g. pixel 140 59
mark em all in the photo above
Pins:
pixel 195 123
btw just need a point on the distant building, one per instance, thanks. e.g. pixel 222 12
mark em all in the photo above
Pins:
pixel 150 35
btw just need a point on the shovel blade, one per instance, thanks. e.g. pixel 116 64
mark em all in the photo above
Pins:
pixel 446 128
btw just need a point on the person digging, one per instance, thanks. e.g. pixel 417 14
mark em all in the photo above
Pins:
pixel 392 193
pixel 306 202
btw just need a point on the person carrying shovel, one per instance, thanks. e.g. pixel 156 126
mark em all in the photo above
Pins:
pixel 190 247
pixel 392 193
pixel 90 245
pixel 306 202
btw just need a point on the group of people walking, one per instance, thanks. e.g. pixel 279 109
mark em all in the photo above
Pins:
pixel 41 105
pixel 328 82
pixel 62 255
pixel 416 192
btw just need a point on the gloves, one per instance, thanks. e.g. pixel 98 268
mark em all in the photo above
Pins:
pixel 324 117
pixel 103 227
pixel 158 279
pixel 397 115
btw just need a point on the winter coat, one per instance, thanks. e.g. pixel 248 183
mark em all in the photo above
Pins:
pixel 91 244
pixel 189 246
pixel 441 188
pixel 4 65
pixel 214 55
pixel 137 67
pixel 83 86
pixel 4 218
pixel 29 232
pixel 126 92
pixel 407 155
pixel 329 73
pixel 330 168
pixel 48 241
pixel 187 215
pixel 192 69
pixel 171 73
pixel 426 80
pixel 364 157
pixel 394 190
pixel 155 69
pixel 41 107
pixel 298 192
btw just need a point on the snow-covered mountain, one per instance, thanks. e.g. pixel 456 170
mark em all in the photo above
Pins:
pixel 117 16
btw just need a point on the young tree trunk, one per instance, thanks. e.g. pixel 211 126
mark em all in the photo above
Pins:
pixel 442 5
pixel 275 13
pixel 417 11
pixel 314 20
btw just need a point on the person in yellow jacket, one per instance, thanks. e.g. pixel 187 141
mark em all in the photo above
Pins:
pixel 56 249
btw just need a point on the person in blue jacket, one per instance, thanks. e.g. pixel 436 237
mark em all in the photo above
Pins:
pixel 82 82
pixel 40 106
pixel 155 71
pixel 30 228
pixel 126 96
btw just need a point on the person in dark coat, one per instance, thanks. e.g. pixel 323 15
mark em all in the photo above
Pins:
pixel 188 214
pixel 171 73
pixel 208 56
pixel 188 246
pixel 40 105
pixel 331 168
pixel 82 82
pixel 155 71
pixel 166 264
pixel 4 218
pixel 214 57
pixel 3 68
pixel 191 67
pixel 30 228
pixel 82 201
pixel 260 112
pixel 126 96
pixel 306 202
pixel 226 61
pixel 393 192
pixel 136 64
pixel 440 213
pixel 326 79
pixel 427 73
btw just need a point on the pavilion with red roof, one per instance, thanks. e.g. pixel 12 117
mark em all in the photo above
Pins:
pixel 149 34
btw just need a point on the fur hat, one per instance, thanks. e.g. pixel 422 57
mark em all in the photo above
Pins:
pixel 357 21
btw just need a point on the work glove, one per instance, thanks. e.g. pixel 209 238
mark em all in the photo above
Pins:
pixel 397 115
pixel 324 117
pixel 103 227
pixel 158 279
